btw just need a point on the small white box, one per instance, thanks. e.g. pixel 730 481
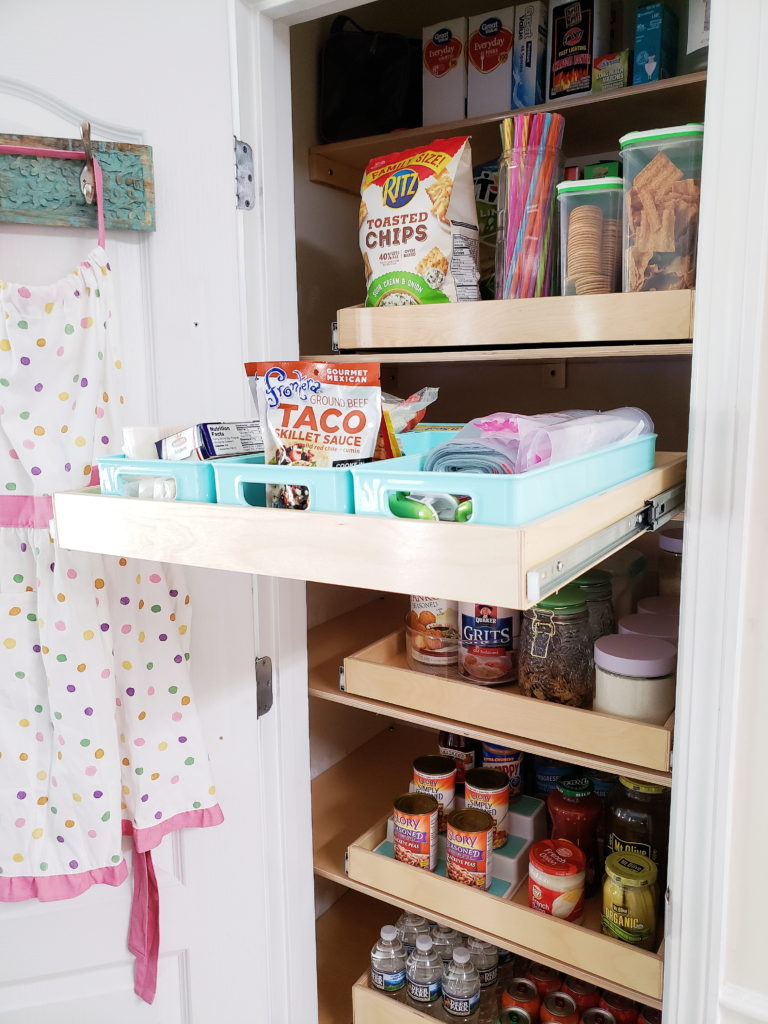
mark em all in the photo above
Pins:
pixel 444 71
pixel 489 62
pixel 530 60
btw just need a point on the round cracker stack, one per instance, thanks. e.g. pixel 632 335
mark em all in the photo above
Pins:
pixel 611 262
pixel 584 261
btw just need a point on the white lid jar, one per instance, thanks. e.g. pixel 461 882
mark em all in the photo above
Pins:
pixel 635 677
pixel 665 627
pixel 670 561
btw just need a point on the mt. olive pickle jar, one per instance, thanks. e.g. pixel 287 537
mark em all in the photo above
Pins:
pixel 555 655
pixel 597 591
pixel 638 822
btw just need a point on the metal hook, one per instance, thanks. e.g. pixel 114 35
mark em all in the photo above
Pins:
pixel 87 183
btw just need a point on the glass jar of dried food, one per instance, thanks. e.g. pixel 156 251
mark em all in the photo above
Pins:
pixel 555 656
pixel 597 589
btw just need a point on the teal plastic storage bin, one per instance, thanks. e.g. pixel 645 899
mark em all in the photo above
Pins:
pixel 425 439
pixel 330 490
pixel 194 480
pixel 503 500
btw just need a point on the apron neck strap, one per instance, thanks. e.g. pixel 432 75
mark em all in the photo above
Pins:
pixel 66 154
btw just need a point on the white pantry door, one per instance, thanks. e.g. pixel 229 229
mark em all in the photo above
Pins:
pixel 159 73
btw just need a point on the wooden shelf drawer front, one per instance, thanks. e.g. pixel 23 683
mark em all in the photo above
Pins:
pixel 371 1007
pixel 380 672
pixel 558 320
pixel 583 947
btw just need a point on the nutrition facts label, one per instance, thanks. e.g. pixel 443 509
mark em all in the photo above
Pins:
pixel 464 267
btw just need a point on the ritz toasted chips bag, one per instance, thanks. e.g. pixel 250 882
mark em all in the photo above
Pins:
pixel 315 414
pixel 418 226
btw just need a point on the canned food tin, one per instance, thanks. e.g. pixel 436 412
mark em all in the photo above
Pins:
pixel 415 830
pixel 584 994
pixel 515 1015
pixel 436 775
pixel 649 1016
pixel 560 1008
pixel 488 638
pixel 546 979
pixel 470 847
pixel 522 993
pixel 434 636
pixel 597 1015
pixel 488 790
pixel 624 1010
pixel 504 759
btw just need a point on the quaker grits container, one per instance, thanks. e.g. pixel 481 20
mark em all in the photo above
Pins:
pixel 415 830
pixel 488 790
pixel 662 182
pixel 435 774
pixel 470 847
pixel 590 236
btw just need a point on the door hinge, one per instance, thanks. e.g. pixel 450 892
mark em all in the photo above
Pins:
pixel 245 187
pixel 263 686
pixel 334 336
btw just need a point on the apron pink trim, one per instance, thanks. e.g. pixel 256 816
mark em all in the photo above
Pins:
pixel 148 838
pixel 25 511
pixel 59 887
pixel 144 929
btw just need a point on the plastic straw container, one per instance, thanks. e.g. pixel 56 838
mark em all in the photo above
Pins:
pixel 526 237
pixel 590 236
pixel 662 180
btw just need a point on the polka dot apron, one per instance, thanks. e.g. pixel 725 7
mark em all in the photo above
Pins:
pixel 98 736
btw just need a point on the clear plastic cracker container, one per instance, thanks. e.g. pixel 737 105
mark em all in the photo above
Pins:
pixel 590 236
pixel 662 183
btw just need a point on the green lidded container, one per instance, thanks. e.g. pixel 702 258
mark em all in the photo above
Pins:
pixel 555 654
pixel 590 236
pixel 596 586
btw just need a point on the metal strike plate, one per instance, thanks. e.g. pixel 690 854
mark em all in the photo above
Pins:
pixel 342 679
pixel 264 696
pixel 245 186
pixel 334 336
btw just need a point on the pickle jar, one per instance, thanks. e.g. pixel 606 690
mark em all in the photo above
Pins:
pixel 638 821
pixel 555 659
pixel 597 589
pixel 629 899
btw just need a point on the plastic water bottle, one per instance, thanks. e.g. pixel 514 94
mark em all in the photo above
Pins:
pixel 461 987
pixel 506 965
pixel 388 963
pixel 424 976
pixel 485 957
pixel 445 940
pixel 408 927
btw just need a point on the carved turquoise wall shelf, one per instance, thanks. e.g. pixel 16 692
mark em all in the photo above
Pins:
pixel 44 190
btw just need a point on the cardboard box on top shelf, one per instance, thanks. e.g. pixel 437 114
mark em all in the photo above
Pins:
pixel 444 71
pixel 530 57
pixel 611 71
pixel 489 62
pixel 655 43
pixel 579 31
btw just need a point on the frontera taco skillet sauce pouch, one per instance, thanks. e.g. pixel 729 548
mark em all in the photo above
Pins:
pixel 418 226
pixel 315 415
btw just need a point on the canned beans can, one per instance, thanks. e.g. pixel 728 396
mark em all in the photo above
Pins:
pixel 488 639
pixel 488 790
pixel 521 993
pixel 435 774
pixel 623 1009
pixel 558 1007
pixel 649 1016
pixel 584 994
pixel 597 1015
pixel 470 847
pixel 415 830
pixel 509 761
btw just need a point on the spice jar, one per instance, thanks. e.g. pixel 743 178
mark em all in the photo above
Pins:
pixel 638 821
pixel 670 561
pixel 556 877
pixel 555 658
pixel 576 813
pixel 635 676
pixel 597 590
pixel 629 899
pixel 664 627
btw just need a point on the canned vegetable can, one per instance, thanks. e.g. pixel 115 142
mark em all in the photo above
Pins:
pixel 415 830
pixel 470 847
pixel 488 790
pixel 435 774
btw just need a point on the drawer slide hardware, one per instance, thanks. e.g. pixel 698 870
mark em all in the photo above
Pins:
pixel 549 576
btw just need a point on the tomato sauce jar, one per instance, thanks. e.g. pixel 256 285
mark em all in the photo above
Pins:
pixel 559 1008
pixel 623 1009
pixel 583 993
pixel 576 811
pixel 523 994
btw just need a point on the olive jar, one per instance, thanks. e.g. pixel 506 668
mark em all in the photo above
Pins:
pixel 555 659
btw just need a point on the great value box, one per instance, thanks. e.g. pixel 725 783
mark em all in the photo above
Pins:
pixel 444 71
pixel 530 60
pixel 489 62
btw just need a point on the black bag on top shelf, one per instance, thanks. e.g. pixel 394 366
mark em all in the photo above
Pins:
pixel 370 82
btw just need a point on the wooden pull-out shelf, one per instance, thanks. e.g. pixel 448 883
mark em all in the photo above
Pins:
pixel 380 672
pixel 622 967
pixel 558 320
pixel 371 1007
pixel 510 566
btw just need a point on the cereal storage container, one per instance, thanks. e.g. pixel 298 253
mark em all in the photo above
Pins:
pixel 590 236
pixel 662 172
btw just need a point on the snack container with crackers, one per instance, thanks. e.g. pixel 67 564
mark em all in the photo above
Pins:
pixel 662 182
pixel 590 236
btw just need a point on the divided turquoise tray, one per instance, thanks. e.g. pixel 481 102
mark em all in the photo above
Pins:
pixel 194 480
pixel 330 490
